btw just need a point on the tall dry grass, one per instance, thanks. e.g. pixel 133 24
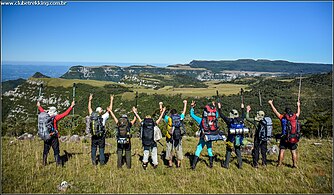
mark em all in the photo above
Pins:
pixel 22 171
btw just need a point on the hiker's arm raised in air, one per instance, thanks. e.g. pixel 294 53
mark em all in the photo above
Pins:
pixel 192 113
pixel 273 108
pixel 184 107
pixel 226 119
pixel 90 104
pixel 242 111
pixel 248 109
pixel 112 115
pixel 40 107
pixel 161 115
pixel 133 120
pixel 67 112
pixel 298 109
pixel 136 114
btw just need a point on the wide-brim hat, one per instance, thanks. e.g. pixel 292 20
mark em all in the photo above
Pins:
pixel 234 114
pixel 98 109
pixel 52 111
pixel 259 115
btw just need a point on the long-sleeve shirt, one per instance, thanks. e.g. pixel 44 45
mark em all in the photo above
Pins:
pixel 229 121
pixel 58 116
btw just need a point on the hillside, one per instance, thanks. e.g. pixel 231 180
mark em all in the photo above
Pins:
pixel 11 84
pixel 19 105
pixel 262 66
pixel 200 70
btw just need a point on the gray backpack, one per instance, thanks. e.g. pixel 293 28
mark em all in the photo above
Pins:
pixel 45 125
pixel 265 129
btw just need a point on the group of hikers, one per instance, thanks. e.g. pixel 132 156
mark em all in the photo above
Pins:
pixel 150 134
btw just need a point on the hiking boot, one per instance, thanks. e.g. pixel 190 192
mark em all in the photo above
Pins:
pixel 211 161
pixel 193 166
pixel 144 165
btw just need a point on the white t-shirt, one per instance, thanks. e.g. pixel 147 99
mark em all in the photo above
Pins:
pixel 105 116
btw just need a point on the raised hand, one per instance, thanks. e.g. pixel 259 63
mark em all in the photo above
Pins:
pixel 242 105
pixel 270 102
pixel 298 103
pixel 219 105
pixel 134 109
pixel 193 103
pixel 111 98
pixel 38 104
pixel 73 104
pixel 185 101
pixel 90 97
pixel 248 108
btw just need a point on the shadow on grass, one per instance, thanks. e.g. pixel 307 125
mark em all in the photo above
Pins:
pixel 64 158
pixel 106 155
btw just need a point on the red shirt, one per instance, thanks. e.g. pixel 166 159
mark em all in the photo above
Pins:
pixel 58 116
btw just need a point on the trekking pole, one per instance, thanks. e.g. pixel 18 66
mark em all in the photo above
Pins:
pixel 73 98
pixel 74 86
pixel 300 86
pixel 242 95
pixel 136 99
pixel 218 98
pixel 260 99
pixel 39 94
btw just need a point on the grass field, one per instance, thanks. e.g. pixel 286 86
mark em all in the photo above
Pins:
pixel 22 171
pixel 58 82
pixel 226 89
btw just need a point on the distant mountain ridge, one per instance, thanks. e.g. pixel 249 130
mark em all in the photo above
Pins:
pixel 262 65
pixel 199 69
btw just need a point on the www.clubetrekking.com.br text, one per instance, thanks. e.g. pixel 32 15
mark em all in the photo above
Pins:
pixel 33 3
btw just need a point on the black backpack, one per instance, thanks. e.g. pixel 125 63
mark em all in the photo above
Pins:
pixel 123 127
pixel 147 131
pixel 96 124
pixel 177 126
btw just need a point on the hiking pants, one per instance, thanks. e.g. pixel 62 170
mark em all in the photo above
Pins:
pixel 54 143
pixel 101 142
pixel 170 146
pixel 260 145
pixel 127 148
pixel 228 155
pixel 154 153
pixel 200 146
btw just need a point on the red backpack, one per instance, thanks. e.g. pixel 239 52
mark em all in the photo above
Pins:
pixel 209 121
pixel 292 128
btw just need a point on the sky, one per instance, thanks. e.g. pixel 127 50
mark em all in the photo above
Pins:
pixel 167 32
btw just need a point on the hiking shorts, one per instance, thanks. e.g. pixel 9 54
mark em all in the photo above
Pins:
pixel 178 150
pixel 286 145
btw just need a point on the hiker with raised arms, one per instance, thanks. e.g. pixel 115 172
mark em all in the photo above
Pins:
pixel 290 132
pixel 208 124
pixel 96 122
pixel 48 130
pixel 123 136
pixel 263 133
pixel 175 131
pixel 236 130
pixel 149 134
